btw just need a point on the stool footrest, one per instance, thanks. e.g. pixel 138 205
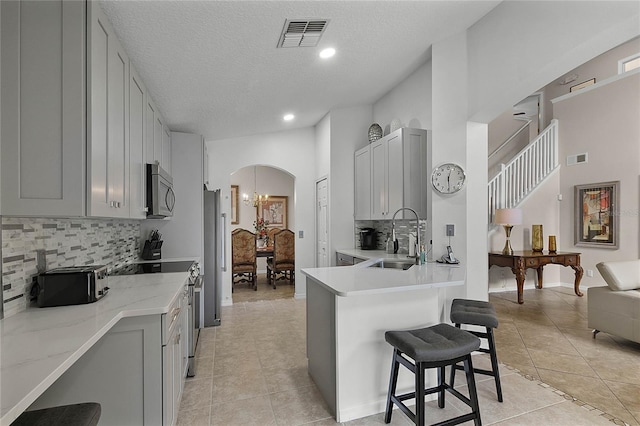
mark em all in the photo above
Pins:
pixel 476 370
pixel 456 420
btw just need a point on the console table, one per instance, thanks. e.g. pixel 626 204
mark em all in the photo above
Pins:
pixel 519 261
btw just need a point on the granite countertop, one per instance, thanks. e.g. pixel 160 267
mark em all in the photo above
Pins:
pixel 360 279
pixel 38 345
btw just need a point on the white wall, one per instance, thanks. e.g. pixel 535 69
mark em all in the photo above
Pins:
pixel 323 146
pixel 589 123
pixel 349 132
pixel 541 207
pixel 467 208
pixel 291 151
pixel 477 75
pixel 409 101
pixel 510 57
pixel 601 67
pixel 270 181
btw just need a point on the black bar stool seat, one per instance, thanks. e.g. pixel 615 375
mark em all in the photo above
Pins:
pixel 84 414
pixel 432 347
pixel 483 314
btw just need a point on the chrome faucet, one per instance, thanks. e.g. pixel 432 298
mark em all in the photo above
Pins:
pixel 393 227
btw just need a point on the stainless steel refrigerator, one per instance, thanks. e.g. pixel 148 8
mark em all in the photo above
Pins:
pixel 213 259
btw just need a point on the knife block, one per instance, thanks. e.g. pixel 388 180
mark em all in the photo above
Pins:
pixel 152 250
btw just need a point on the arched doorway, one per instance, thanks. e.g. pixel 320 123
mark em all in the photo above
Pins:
pixel 250 185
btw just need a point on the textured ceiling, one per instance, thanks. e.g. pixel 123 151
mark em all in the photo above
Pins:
pixel 213 68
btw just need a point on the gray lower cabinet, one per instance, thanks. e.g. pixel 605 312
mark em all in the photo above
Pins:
pixel 343 259
pixel 43 108
pixel 123 371
pixel 135 371
pixel 173 350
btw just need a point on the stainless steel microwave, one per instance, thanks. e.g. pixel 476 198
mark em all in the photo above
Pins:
pixel 160 196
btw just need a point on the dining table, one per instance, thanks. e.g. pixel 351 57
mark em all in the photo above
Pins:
pixel 266 251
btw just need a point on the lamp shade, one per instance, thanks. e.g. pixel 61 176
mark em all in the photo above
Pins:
pixel 508 217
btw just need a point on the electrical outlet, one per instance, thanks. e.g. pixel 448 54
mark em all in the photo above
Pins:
pixel 589 272
pixel 450 230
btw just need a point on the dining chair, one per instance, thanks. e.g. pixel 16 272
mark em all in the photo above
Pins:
pixel 243 258
pixel 283 260
pixel 271 234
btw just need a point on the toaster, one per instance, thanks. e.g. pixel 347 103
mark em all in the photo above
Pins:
pixel 72 285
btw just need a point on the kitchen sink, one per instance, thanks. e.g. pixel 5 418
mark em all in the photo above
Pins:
pixel 390 264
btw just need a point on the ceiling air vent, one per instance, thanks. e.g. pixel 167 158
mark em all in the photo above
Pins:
pixel 302 32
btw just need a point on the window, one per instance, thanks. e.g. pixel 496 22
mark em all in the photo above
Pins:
pixel 630 63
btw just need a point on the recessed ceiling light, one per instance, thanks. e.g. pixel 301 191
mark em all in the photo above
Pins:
pixel 327 53
pixel 288 117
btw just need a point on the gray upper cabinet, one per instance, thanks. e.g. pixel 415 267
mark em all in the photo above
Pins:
pixel 165 162
pixel 399 173
pixel 108 117
pixel 150 120
pixel 137 138
pixel 363 183
pixel 78 125
pixel 43 108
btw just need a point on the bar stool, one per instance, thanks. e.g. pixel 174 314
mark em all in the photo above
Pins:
pixel 477 312
pixel 432 347
pixel 83 414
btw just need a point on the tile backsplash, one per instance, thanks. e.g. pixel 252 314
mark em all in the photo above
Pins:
pixel 67 242
pixel 403 227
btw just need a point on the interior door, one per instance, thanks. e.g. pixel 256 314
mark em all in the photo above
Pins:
pixel 322 258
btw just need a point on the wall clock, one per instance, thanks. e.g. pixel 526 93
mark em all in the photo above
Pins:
pixel 448 178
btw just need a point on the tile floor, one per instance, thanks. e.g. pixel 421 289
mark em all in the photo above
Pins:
pixel 252 369
pixel 548 339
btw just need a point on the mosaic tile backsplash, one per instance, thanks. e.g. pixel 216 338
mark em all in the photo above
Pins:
pixel 67 242
pixel 403 228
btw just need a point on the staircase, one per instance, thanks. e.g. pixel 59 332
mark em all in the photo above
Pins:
pixel 525 171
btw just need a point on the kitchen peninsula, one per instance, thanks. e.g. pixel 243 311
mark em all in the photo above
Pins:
pixel 46 348
pixel 349 308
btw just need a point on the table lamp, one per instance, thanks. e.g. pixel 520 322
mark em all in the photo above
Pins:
pixel 508 218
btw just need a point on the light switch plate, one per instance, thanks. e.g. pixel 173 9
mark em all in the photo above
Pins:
pixel 300 234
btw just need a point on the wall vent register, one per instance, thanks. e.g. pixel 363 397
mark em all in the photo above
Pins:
pixel 572 160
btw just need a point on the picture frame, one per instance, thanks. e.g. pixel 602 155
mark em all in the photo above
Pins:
pixel 274 211
pixel 582 85
pixel 596 221
pixel 234 205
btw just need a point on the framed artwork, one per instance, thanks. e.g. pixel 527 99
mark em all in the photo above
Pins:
pixel 582 85
pixel 274 211
pixel 596 215
pixel 234 205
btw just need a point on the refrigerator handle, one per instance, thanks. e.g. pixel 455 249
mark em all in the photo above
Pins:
pixel 223 252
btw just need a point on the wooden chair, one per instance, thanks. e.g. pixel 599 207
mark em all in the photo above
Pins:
pixel 243 258
pixel 271 234
pixel 283 260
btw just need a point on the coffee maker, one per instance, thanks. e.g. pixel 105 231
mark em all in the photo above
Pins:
pixel 368 239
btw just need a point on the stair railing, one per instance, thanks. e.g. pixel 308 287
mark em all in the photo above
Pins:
pixel 525 171
pixel 512 137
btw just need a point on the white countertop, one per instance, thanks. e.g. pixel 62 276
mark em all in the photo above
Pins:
pixel 374 254
pixel 360 279
pixel 38 345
